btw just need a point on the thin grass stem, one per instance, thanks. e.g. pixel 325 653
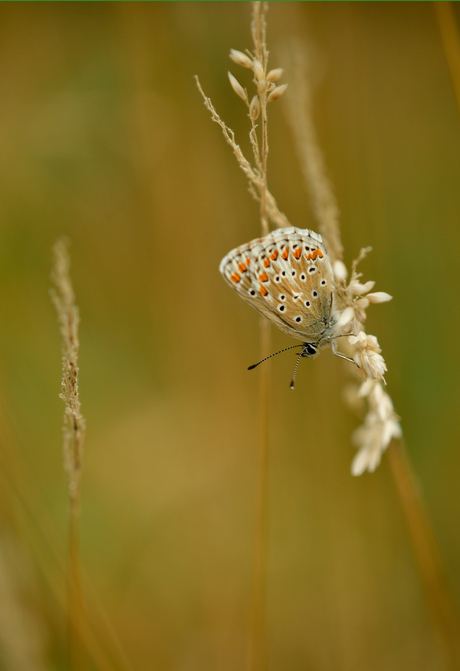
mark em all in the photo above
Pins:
pixel 438 598
pixel 259 36
pixel 258 642
pixel 300 117
pixel 450 36
pixel 432 576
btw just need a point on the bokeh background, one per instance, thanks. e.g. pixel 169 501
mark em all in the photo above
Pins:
pixel 104 138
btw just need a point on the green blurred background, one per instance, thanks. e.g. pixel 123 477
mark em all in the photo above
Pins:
pixel 104 138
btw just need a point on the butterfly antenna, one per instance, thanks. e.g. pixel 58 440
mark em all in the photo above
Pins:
pixel 275 353
pixel 295 369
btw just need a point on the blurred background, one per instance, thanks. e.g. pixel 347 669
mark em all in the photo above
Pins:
pixel 105 139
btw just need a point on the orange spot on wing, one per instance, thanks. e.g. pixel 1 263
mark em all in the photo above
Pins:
pixel 242 267
pixel 248 261
pixel 297 253
pixel 235 278
pixel 263 277
pixel 285 254
pixel 267 263
pixel 274 256
pixel 263 291
pixel 316 253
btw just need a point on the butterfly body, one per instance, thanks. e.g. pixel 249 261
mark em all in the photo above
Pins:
pixel 287 276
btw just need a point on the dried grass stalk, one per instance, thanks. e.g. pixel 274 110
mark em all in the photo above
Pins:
pixel 266 92
pixel 74 432
pixel 74 427
pixel 300 116
pixel 381 424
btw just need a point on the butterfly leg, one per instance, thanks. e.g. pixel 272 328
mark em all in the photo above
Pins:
pixel 339 354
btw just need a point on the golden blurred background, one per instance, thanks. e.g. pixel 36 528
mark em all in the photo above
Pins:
pixel 105 139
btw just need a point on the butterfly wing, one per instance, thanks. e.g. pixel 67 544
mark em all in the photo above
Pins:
pixel 286 276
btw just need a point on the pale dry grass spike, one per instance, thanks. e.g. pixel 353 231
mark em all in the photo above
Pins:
pixel 381 424
pixel 266 91
pixel 74 423
pixel 74 432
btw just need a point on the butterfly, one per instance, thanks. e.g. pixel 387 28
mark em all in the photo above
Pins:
pixel 287 276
